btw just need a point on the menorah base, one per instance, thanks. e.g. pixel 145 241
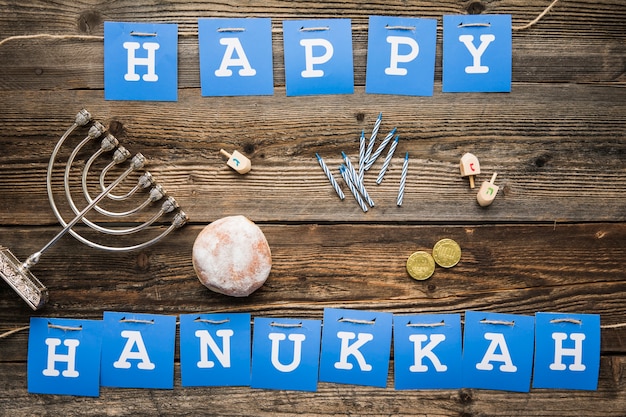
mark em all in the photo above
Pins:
pixel 22 280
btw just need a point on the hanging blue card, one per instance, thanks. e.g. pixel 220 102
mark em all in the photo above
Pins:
pixel 498 351
pixel 427 351
pixel 477 52
pixel 318 57
pixel 215 349
pixel 236 56
pixel 140 61
pixel 567 351
pixel 401 56
pixel 285 354
pixel 356 347
pixel 64 356
pixel 138 350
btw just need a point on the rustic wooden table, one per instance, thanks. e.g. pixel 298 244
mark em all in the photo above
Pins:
pixel 553 240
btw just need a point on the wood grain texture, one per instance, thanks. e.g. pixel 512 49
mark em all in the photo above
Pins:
pixel 595 28
pixel 553 240
pixel 330 399
pixel 558 151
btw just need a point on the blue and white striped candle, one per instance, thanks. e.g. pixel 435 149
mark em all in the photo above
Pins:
pixel 330 177
pixel 356 180
pixel 370 145
pixel 392 148
pixel 355 193
pixel 405 170
pixel 362 160
pixel 380 149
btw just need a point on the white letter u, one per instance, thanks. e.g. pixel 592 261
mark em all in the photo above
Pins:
pixel 297 350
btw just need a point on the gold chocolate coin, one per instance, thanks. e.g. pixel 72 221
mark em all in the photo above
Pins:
pixel 447 253
pixel 420 265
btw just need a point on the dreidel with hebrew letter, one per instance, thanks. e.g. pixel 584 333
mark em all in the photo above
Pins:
pixel 487 192
pixel 237 161
pixel 470 167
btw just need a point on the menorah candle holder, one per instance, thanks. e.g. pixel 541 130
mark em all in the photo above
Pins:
pixel 19 276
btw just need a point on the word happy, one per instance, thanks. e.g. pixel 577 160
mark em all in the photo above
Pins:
pixel 140 59
pixel 497 351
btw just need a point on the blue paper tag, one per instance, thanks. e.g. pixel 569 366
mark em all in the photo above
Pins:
pixel 355 347
pixel 567 351
pixel 140 61
pixel 498 351
pixel 401 56
pixel 138 350
pixel 427 351
pixel 318 57
pixel 477 52
pixel 285 354
pixel 236 56
pixel 64 356
pixel 215 349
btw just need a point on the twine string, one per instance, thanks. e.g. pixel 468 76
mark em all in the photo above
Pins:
pixel 141 321
pixel 497 322
pixel 303 29
pixel 314 29
pixel 536 19
pixel 143 34
pixel 10 332
pixel 566 320
pixel 286 325
pixel 49 36
pixel 356 321
pixel 231 30
pixel 439 324
pixel 474 25
pixel 201 320
pixel 409 28
pixel 21 329
pixel 65 328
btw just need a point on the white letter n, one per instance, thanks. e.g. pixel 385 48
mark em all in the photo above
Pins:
pixel 206 342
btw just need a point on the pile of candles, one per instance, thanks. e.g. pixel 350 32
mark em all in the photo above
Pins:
pixel 353 177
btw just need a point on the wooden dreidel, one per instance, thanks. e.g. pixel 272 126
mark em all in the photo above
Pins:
pixel 487 192
pixel 470 167
pixel 237 161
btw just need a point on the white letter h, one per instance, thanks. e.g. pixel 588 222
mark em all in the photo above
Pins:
pixel 133 61
pixel 54 357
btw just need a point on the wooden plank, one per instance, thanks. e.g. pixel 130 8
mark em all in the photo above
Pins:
pixel 533 61
pixel 556 154
pixel 594 57
pixel 508 269
pixel 552 241
pixel 330 399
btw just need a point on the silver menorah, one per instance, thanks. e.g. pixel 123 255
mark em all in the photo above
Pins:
pixel 19 276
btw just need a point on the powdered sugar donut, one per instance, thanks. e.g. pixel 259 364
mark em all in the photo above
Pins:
pixel 231 256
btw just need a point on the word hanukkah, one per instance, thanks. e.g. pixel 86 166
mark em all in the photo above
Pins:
pixel 235 54
pixel 130 350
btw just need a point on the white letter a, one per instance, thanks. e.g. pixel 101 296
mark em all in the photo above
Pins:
pixel 134 338
pixel 497 340
pixel 233 45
